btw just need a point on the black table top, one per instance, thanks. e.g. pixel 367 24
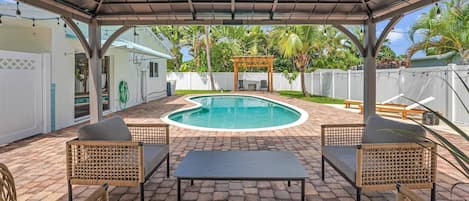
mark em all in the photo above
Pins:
pixel 260 165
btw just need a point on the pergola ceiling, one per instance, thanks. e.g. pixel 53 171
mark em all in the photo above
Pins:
pixel 144 12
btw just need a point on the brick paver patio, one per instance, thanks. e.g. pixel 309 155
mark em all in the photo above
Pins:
pixel 38 163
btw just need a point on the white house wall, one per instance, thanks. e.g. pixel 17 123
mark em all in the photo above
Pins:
pixel 47 37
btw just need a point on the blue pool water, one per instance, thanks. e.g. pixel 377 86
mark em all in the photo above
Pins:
pixel 236 112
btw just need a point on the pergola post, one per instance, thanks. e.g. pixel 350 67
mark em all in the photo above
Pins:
pixel 235 76
pixel 369 85
pixel 95 93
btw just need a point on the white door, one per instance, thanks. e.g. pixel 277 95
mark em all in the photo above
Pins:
pixel 20 95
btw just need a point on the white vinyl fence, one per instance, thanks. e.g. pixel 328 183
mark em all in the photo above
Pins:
pixel 414 83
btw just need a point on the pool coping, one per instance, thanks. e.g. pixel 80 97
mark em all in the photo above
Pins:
pixel 303 115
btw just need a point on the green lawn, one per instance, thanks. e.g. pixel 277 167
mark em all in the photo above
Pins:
pixel 313 98
pixel 185 92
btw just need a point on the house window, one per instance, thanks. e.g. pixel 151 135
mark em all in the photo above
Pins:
pixel 154 69
pixel 82 98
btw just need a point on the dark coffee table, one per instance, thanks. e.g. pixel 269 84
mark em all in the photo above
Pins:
pixel 241 165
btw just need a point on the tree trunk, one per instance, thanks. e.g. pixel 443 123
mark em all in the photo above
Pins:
pixel 303 86
pixel 209 63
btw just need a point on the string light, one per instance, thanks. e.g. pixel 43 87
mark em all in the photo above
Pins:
pixel 65 25
pixel 34 22
pixel 438 9
pixel 135 31
pixel 1 20
pixel 18 12
pixel 58 21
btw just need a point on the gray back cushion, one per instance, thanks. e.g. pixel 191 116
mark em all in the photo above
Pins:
pixel 381 130
pixel 113 128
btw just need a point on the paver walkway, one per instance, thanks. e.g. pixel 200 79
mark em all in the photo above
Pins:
pixel 38 163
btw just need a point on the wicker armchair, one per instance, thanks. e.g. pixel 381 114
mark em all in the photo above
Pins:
pixel 7 184
pixel 100 194
pixel 118 162
pixel 377 166
pixel 405 194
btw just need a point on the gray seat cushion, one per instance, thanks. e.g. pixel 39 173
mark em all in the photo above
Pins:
pixel 153 154
pixel 381 130
pixel 343 158
pixel 113 128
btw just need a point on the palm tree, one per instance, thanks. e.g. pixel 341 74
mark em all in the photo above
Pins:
pixel 297 42
pixel 193 36
pixel 207 51
pixel 444 29
pixel 174 35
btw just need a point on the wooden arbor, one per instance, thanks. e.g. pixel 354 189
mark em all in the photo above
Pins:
pixel 253 62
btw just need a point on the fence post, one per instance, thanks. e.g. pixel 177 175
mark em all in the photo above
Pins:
pixel 320 83
pixel 349 84
pixel 333 83
pixel 312 82
pixel 452 68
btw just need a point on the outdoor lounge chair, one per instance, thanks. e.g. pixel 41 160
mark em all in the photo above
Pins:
pixel 374 157
pixel 7 184
pixel 264 85
pixel 404 110
pixel 112 152
pixel 405 194
pixel 349 102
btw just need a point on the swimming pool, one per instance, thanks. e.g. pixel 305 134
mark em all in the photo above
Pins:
pixel 236 113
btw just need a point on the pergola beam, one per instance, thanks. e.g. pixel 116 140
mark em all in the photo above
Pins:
pixel 385 33
pixel 112 38
pixel 274 8
pixel 100 3
pixel 138 3
pixel 352 37
pixel 400 10
pixel 79 34
pixel 61 9
pixel 224 22
pixel 191 7
pixel 233 9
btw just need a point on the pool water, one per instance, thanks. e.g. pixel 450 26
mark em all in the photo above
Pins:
pixel 236 112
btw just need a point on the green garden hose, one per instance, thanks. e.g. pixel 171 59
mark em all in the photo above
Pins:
pixel 123 94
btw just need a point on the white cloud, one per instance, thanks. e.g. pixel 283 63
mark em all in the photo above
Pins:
pixel 395 35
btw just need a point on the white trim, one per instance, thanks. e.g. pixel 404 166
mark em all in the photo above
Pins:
pixel 303 115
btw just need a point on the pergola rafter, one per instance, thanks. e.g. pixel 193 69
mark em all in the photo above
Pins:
pixel 99 13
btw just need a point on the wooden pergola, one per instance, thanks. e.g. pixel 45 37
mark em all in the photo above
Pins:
pixel 253 62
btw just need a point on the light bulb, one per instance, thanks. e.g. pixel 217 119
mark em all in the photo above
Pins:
pixel 34 22
pixel 18 12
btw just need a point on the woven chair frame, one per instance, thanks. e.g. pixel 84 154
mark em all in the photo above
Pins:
pixel 381 166
pixel 7 184
pixel 118 163
pixel 341 134
pixel 150 133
